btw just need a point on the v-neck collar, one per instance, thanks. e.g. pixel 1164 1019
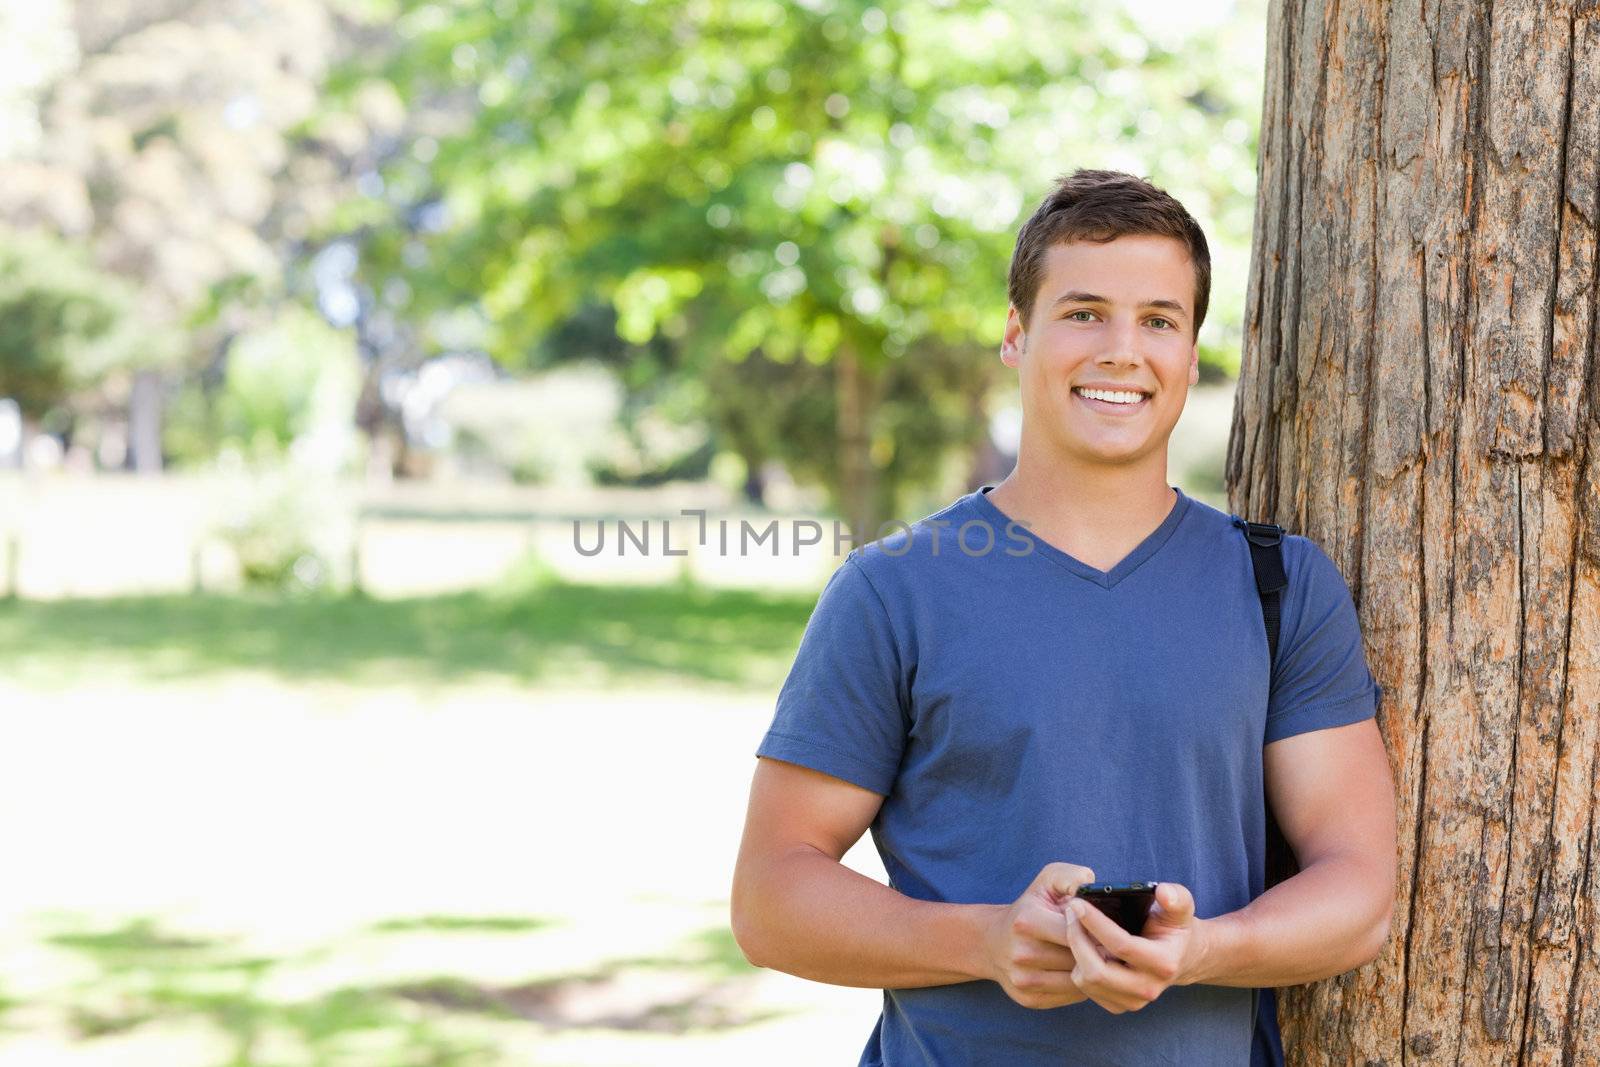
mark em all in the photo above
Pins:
pixel 1105 579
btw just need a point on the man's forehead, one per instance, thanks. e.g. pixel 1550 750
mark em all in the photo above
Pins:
pixel 1145 264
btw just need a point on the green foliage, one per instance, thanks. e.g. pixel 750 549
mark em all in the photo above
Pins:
pixel 575 424
pixel 927 405
pixel 290 529
pixel 274 546
pixel 166 138
pixel 760 184
pixel 63 324
pixel 661 436
pixel 289 384
pixel 750 174
pixel 287 380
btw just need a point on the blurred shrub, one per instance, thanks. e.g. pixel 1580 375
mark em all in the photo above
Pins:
pixel 289 385
pixel 662 435
pixel 573 425
pixel 530 574
pixel 289 526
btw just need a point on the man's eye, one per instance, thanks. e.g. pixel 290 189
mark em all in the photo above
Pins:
pixel 1160 323
pixel 1088 316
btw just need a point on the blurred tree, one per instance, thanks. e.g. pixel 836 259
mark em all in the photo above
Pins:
pixel 292 381
pixel 828 183
pixel 62 322
pixel 36 46
pixel 168 137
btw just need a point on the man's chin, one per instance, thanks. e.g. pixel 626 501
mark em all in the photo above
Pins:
pixel 1110 459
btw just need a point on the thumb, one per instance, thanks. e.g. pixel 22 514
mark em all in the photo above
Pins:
pixel 1174 904
pixel 1061 880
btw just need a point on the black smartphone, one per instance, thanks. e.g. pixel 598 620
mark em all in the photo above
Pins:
pixel 1127 904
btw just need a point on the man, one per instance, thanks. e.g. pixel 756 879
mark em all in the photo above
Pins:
pixel 1091 698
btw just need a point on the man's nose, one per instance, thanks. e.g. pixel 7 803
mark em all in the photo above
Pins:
pixel 1122 344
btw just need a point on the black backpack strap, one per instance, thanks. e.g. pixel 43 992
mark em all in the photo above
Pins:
pixel 1266 556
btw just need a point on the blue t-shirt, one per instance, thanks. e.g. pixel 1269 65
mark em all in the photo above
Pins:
pixel 1016 706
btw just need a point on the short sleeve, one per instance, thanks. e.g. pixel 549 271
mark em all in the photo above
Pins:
pixel 841 709
pixel 1321 678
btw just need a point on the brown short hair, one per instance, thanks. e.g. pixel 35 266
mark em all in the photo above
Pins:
pixel 1102 205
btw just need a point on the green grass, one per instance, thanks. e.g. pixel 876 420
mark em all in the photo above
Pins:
pixel 270 1008
pixel 144 975
pixel 549 632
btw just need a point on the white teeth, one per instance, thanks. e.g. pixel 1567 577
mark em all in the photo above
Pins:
pixel 1112 397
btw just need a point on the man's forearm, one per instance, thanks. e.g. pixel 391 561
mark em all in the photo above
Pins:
pixel 1330 918
pixel 809 915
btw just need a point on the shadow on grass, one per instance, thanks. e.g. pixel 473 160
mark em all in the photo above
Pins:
pixel 546 632
pixel 467 924
pixel 146 975
pixel 698 989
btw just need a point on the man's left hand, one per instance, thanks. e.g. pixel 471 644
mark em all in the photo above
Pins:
pixel 1121 972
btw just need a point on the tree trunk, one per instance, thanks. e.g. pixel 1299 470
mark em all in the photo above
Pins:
pixel 1419 396
pixel 755 482
pixel 856 400
pixel 144 423
pixel 986 464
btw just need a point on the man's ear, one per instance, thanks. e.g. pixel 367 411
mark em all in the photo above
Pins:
pixel 1194 364
pixel 1014 340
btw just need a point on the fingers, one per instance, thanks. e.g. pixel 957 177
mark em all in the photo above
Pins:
pixel 1029 953
pixel 1065 950
pixel 1150 958
pixel 1038 973
pixel 1117 941
pixel 1045 989
pixel 1108 983
pixel 1174 905
pixel 1043 922
pixel 1061 880
pixel 1043 955
pixel 1040 939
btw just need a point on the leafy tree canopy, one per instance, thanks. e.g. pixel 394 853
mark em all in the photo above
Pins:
pixel 63 323
pixel 743 175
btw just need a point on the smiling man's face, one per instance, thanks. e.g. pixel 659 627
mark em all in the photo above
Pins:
pixel 1108 354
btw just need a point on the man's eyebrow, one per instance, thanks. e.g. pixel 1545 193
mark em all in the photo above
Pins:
pixel 1078 296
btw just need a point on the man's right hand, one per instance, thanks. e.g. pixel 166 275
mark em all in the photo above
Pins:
pixel 1026 943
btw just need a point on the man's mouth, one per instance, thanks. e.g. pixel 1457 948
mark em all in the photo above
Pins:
pixel 1112 399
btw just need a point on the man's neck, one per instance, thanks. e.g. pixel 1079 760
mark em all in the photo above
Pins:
pixel 1097 514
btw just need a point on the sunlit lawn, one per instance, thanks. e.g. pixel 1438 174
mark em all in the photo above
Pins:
pixel 486 828
pixel 532 632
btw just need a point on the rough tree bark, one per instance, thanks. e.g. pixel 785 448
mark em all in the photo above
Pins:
pixel 1419 395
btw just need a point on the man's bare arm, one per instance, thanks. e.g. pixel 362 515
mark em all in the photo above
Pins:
pixel 797 909
pixel 1332 792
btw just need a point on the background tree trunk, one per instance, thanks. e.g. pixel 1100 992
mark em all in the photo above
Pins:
pixel 144 423
pixel 855 387
pixel 1419 395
